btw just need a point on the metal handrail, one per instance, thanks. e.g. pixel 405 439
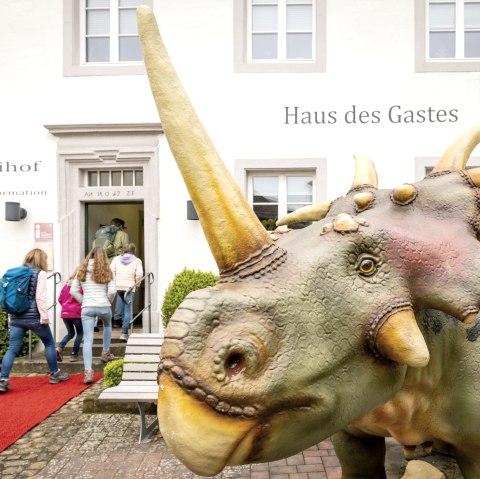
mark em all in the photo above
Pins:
pixel 151 279
pixel 57 280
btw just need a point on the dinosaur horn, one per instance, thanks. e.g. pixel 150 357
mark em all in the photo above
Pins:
pixel 234 233
pixel 314 212
pixel 365 173
pixel 400 339
pixel 474 174
pixel 457 154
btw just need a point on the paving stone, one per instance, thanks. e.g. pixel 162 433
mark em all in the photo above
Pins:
pixel 11 470
pixel 334 472
pixel 37 465
pixel 260 475
pixel 297 459
pixel 317 475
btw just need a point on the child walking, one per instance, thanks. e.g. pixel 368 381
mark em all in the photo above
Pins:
pixel 72 319
pixel 35 319
pixel 95 278
pixel 127 271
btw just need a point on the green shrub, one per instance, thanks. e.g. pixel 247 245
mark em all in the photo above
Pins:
pixel 5 337
pixel 269 224
pixel 185 282
pixel 112 373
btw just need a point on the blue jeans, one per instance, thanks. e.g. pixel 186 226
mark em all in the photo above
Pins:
pixel 18 329
pixel 74 326
pixel 89 314
pixel 123 309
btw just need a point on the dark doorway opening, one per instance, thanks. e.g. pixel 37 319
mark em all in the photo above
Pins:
pixel 100 214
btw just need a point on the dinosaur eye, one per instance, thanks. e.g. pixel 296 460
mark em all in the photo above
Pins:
pixel 367 266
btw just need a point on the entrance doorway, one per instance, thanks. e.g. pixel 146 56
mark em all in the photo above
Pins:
pixel 95 164
pixel 101 214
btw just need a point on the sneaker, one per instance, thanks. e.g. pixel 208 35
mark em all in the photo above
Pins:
pixel 58 377
pixel 88 377
pixel 73 357
pixel 4 386
pixel 124 337
pixel 59 355
pixel 107 356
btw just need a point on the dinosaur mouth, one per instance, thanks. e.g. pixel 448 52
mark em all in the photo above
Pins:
pixel 203 439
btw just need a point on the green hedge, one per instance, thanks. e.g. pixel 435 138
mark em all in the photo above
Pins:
pixel 112 373
pixel 185 282
pixel 5 337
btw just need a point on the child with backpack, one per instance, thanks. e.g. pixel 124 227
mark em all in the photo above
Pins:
pixel 71 314
pixel 34 318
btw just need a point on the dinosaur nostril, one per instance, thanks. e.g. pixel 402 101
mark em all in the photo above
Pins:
pixel 234 364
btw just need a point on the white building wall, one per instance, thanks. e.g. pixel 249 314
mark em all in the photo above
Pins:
pixel 370 66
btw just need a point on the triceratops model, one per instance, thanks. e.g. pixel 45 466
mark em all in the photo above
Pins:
pixel 361 326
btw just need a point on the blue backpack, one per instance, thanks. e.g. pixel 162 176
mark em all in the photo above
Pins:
pixel 14 290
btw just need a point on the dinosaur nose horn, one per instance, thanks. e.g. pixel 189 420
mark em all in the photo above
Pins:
pixel 234 233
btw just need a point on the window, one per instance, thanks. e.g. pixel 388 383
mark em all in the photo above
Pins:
pixel 108 178
pixel 450 38
pixel 110 31
pixel 279 35
pixel 101 37
pixel 281 30
pixel 273 194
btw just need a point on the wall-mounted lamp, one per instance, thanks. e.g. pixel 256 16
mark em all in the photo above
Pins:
pixel 13 211
pixel 191 212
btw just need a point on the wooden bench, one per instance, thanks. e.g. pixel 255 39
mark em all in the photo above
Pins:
pixel 139 378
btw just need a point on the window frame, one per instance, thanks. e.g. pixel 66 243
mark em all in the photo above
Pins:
pixel 74 49
pixel 282 176
pixel 422 62
pixel 317 167
pixel 242 44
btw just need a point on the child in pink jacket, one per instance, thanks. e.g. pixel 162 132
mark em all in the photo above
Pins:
pixel 71 315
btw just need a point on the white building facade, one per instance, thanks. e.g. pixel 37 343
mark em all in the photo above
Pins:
pixel 287 89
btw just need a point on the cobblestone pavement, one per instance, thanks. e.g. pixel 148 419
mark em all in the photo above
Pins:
pixel 70 444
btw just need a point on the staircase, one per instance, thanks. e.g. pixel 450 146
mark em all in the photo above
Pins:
pixel 38 363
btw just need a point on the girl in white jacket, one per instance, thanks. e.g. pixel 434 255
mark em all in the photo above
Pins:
pixel 95 277
pixel 127 271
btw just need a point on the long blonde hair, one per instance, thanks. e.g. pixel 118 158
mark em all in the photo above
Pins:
pixel 101 272
pixel 37 258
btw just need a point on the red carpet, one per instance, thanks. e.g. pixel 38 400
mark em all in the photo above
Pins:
pixel 31 400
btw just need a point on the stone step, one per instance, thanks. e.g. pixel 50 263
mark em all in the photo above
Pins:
pixel 116 347
pixel 38 363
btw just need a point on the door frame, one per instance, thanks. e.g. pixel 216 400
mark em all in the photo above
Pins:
pixel 108 146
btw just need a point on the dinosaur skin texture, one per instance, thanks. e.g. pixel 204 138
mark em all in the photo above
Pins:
pixel 360 326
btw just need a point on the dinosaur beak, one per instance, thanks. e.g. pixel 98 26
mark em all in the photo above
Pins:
pixel 206 442
pixel 234 233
